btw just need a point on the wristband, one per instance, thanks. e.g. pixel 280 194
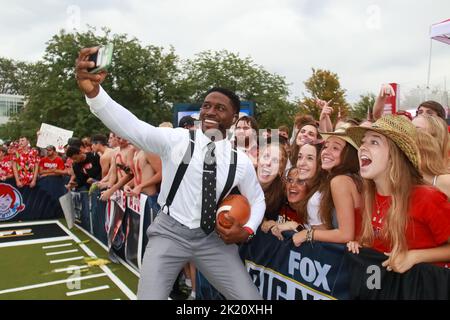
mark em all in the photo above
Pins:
pixel 251 234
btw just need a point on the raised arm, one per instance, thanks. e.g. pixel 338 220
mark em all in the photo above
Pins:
pixel 385 92
pixel 117 118
pixel 325 124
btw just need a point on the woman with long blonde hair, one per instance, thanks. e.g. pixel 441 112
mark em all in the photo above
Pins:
pixel 437 128
pixel 403 217
pixel 432 163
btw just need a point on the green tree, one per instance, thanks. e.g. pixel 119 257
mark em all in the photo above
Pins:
pixel 359 109
pixel 15 76
pixel 250 81
pixel 143 79
pixel 324 85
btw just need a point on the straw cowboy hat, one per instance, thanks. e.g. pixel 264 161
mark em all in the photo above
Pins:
pixel 397 128
pixel 340 133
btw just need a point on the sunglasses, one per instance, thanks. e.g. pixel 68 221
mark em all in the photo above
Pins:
pixel 296 181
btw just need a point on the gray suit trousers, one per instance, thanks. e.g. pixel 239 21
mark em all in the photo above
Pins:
pixel 171 245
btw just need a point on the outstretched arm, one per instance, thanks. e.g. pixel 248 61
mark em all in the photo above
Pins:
pixel 117 118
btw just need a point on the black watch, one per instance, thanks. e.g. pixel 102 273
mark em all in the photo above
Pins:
pixel 300 227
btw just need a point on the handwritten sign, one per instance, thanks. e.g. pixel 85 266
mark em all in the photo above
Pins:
pixel 55 136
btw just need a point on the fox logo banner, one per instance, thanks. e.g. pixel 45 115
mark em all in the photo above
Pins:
pixel 309 272
pixel 282 271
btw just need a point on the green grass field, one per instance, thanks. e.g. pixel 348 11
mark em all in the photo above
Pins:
pixel 56 269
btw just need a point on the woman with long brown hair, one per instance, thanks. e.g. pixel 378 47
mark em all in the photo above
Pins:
pixel 308 133
pixel 403 217
pixel 271 165
pixel 301 182
pixel 339 192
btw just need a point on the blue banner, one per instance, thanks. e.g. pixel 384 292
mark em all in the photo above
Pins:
pixel 327 271
pixel 281 271
pixel 27 204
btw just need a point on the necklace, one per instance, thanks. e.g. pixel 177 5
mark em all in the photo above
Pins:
pixel 379 206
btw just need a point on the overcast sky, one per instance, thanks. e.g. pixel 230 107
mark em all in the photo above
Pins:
pixel 366 43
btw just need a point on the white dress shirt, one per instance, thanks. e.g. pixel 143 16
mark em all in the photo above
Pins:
pixel 171 144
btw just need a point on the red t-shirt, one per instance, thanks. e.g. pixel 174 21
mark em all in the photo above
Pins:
pixel 429 220
pixel 48 164
pixel 288 214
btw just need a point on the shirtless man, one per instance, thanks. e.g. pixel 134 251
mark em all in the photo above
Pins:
pixel 100 146
pixel 107 159
pixel 120 171
pixel 147 173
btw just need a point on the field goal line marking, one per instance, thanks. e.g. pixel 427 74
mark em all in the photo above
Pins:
pixel 29 223
pixel 56 253
pixel 74 293
pixel 70 236
pixel 48 284
pixel 126 265
pixel 66 260
pixel 35 241
pixel 108 271
pixel 58 246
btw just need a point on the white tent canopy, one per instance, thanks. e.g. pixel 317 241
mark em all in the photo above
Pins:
pixel 441 31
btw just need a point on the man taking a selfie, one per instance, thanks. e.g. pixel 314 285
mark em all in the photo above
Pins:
pixel 183 231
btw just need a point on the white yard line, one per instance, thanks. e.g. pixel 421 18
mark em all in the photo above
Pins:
pixel 53 283
pixel 71 268
pixel 60 252
pixel 74 293
pixel 58 246
pixel 110 274
pixel 126 265
pixel 22 224
pixel 65 260
pixel 36 241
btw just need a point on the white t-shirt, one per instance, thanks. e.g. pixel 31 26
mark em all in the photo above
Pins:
pixel 313 209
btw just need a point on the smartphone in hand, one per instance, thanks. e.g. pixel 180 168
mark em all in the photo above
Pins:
pixel 102 58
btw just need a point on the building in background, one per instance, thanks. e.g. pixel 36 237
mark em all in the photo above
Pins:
pixel 9 105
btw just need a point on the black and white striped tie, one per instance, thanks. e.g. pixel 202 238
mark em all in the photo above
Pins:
pixel 208 220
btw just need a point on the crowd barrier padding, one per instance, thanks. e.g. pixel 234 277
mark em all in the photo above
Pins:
pixel 280 270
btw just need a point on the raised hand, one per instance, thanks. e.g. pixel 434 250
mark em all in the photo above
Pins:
pixel 326 109
pixel 386 91
pixel 89 83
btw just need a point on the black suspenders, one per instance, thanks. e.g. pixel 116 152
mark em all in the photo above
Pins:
pixel 231 175
pixel 184 165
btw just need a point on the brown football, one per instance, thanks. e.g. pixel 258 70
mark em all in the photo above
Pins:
pixel 236 206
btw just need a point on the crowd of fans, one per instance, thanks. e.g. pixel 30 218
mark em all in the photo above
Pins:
pixel 321 181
